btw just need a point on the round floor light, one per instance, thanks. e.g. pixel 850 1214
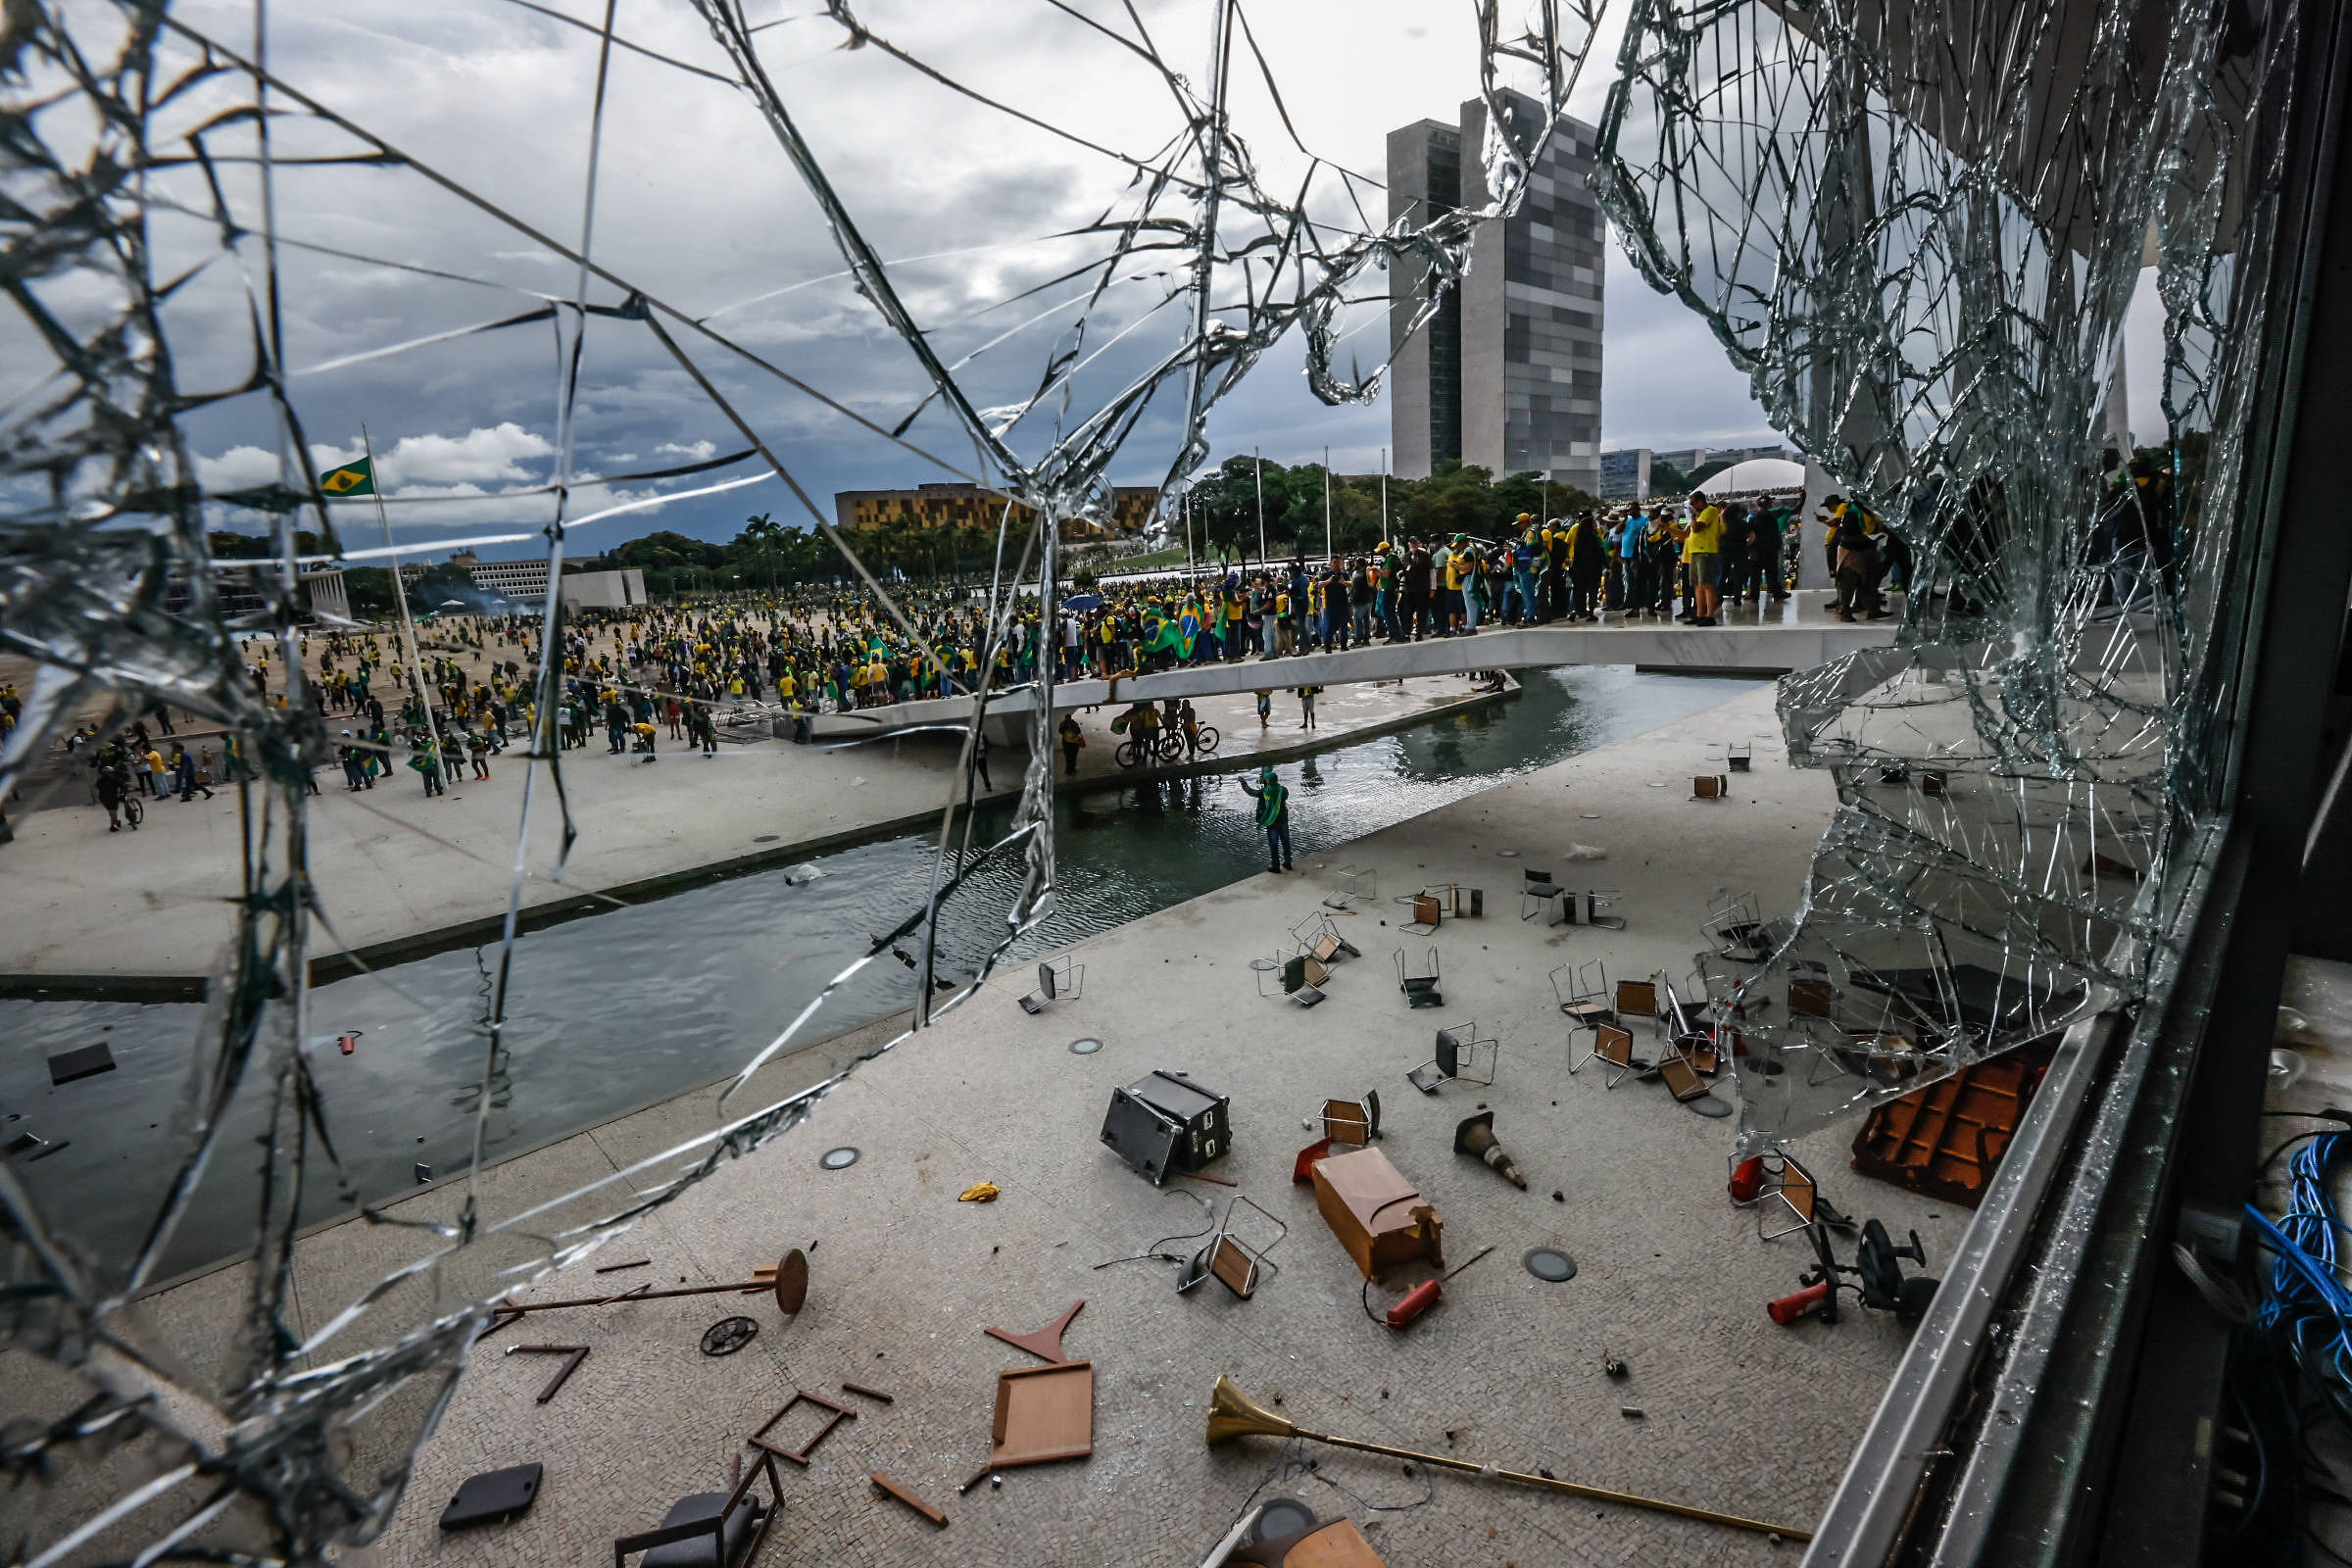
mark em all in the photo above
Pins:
pixel 1086 1047
pixel 841 1158
pixel 1709 1106
pixel 1549 1263
pixel 728 1335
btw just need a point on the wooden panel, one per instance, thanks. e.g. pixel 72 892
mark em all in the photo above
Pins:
pixel 1043 1412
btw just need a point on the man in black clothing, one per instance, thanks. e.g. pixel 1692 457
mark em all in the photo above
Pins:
pixel 1416 587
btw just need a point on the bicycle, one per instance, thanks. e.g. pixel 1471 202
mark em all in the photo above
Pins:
pixel 132 811
pixel 1136 750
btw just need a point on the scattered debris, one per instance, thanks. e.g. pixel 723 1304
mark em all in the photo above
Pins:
pixel 1046 1343
pixel 909 1499
pixel 800 1455
pixel 615 1269
pixel 987 1472
pixel 1232 1414
pixel 1044 1413
pixel 1421 1297
pixel 729 1335
pixel 493 1497
pixel 1611 1366
pixel 573 1355
pixel 1632 1413
pixel 86 1061
pixel 978 1193
pixel 870 1394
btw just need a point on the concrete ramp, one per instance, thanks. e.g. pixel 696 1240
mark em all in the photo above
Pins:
pixel 1796 635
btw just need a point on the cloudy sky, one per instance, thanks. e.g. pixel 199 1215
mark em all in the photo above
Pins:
pixel 391 272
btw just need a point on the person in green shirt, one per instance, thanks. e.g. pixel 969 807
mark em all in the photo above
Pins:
pixel 1273 815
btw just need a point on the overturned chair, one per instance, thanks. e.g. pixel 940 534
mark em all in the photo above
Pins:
pixel 1057 980
pixel 709 1529
pixel 1348 1121
pixel 1582 993
pixel 1611 1046
pixel 1240 1266
pixel 1318 938
pixel 1302 978
pixel 1462 1052
pixel 1420 986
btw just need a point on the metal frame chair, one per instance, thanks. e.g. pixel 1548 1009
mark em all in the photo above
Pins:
pixel 1230 1261
pixel 1540 887
pixel 1360 882
pixel 1788 1184
pixel 1420 989
pixel 1731 925
pixel 1318 937
pixel 1428 912
pixel 1613 1047
pixel 1586 999
pixel 1638 998
pixel 1582 907
pixel 1348 1121
pixel 1462 1053
pixel 1057 980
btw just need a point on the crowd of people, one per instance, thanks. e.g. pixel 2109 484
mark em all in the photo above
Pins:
pixel 647 673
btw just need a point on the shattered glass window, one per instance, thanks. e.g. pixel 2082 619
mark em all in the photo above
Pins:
pixel 1917 229
pixel 220 229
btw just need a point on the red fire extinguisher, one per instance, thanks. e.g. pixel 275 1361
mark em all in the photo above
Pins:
pixel 1424 1295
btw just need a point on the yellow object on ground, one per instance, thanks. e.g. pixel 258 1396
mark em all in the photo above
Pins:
pixel 985 1193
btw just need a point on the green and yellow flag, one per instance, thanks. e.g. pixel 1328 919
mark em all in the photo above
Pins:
pixel 351 479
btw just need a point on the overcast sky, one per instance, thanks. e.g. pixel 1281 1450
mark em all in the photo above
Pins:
pixel 698 206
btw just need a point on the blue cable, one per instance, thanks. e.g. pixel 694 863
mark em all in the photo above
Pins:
pixel 2306 1308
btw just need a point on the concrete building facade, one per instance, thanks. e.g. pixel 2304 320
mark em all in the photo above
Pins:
pixel 1508 374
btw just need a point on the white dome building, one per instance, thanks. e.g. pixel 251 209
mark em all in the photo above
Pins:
pixel 1754 476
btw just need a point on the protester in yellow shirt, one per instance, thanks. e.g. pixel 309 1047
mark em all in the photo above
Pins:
pixel 1702 547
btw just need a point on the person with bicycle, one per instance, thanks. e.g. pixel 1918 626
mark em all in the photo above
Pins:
pixel 112 796
pixel 1191 723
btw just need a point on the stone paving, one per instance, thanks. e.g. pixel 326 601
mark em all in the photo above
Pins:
pixel 1738 1414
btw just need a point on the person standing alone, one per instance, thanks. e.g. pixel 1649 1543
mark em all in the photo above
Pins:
pixel 1273 815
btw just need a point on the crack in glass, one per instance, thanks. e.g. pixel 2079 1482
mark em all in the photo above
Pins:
pixel 142 151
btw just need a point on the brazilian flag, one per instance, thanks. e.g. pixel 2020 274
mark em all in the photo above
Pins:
pixel 351 479
pixel 1187 629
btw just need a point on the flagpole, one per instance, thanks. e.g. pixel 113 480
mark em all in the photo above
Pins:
pixel 1258 470
pixel 1327 501
pixel 1384 495
pixel 400 592
pixel 1186 505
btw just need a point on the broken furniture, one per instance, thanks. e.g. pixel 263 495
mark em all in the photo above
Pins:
pixel 1710 787
pixel 1637 998
pixel 786 1280
pixel 1734 928
pixel 1335 1544
pixel 1301 979
pixel 709 1529
pixel 1584 995
pixel 1738 756
pixel 1540 888
pixel 1475 1137
pixel 1788 1189
pixel 728 1335
pixel 1163 1123
pixel 1613 1047
pixel 83 1061
pixel 1046 1343
pixel 493 1497
pixel 1420 987
pixel 800 1455
pixel 1233 1414
pixel 1379 1217
pixel 1349 1121
pixel 573 1355
pixel 1427 913
pixel 1582 907
pixel 1044 1413
pixel 1877 1262
pixel 1359 883
pixel 1947 1140
pixel 1462 1052
pixel 1057 979
pixel 1681 1080
pixel 1236 1264
pixel 1455 900
pixel 1317 936
pixel 909 1498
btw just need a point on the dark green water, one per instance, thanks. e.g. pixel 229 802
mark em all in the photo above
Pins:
pixel 632 1007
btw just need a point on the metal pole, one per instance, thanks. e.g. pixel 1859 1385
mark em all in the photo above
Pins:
pixel 400 592
pixel 1187 505
pixel 1384 495
pixel 1258 470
